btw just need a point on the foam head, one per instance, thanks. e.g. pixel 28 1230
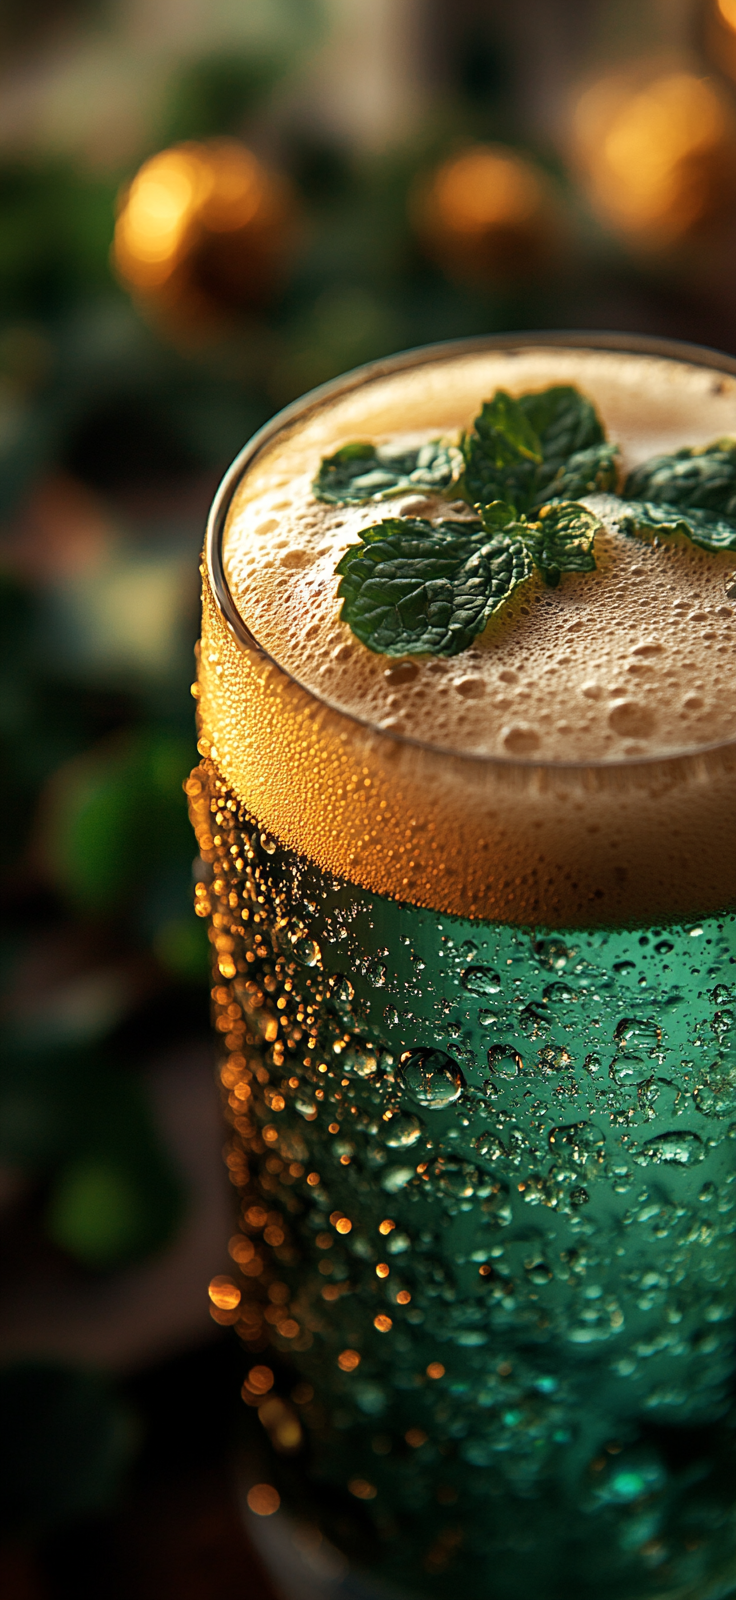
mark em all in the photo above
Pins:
pixel 577 763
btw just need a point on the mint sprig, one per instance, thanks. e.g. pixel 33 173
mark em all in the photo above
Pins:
pixel 363 471
pixel 413 587
pixel 536 448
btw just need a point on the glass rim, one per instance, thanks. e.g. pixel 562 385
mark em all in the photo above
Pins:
pixel 386 366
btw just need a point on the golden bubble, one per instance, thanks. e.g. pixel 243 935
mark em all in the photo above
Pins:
pixel 224 1293
pixel 289 1329
pixel 260 1380
pixel 386 1226
pixel 362 1489
pixel 241 1249
pixel 382 1270
pixel 312 1179
pixel 435 1370
pixel 263 1499
pixel 348 1360
pixel 403 1297
pixel 383 1323
pixel 343 1225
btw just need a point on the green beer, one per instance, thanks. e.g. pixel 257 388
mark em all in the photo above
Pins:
pixel 475 978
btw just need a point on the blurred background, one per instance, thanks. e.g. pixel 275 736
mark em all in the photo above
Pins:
pixel 207 207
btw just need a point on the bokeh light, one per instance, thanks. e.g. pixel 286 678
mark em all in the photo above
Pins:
pixel 660 158
pixel 488 214
pixel 264 1499
pixel 203 232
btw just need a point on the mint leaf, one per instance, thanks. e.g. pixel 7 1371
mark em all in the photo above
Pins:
pixel 363 471
pixel 414 587
pixel 642 519
pixel 702 479
pixel 519 449
pixel 561 540
pixel 501 454
pixel 591 471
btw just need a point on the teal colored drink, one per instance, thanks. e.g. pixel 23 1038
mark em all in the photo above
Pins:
pixel 478 1013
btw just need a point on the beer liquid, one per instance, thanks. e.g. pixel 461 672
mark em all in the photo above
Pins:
pixel 484 1106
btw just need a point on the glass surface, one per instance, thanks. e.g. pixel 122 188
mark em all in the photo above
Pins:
pixel 487 1188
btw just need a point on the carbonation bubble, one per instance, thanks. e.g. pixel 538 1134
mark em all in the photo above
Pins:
pixel 403 1130
pixel 357 1062
pixel 268 843
pixel 480 980
pixel 433 1079
pixel 504 1061
pixel 672 1149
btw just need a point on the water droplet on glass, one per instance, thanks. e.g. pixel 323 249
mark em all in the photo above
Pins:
pixel 432 1078
pixel 559 994
pixel 480 980
pixel 583 1140
pixel 672 1150
pixel 358 1062
pixel 396 1178
pixel 633 1033
pixel 716 1095
pixel 552 953
pixel 403 1130
pixel 504 1061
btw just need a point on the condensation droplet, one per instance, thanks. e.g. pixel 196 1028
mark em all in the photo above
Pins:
pixel 432 1078
pixel 504 1061
pixel 480 980
pixel 672 1150
pixel 403 1130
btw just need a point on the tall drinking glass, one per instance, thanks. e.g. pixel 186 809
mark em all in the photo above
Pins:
pixel 478 1022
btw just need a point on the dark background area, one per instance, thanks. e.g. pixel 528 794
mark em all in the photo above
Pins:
pixel 206 209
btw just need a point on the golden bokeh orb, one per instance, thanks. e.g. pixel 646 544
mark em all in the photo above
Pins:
pixel 203 233
pixel 488 215
pixel 659 157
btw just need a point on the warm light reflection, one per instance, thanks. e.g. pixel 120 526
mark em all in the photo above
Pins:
pixel 202 228
pixel 727 12
pixel 661 159
pixel 487 212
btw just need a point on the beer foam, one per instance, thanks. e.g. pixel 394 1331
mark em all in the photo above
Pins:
pixel 630 669
pixel 637 658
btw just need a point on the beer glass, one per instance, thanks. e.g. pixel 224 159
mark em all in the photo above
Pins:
pixel 478 1024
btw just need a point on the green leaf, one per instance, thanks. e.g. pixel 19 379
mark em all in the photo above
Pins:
pixel 414 587
pixel 561 540
pixel 591 471
pixel 363 471
pixel 702 479
pixel 518 449
pixel 642 519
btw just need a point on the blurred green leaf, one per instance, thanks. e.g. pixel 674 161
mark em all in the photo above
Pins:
pixel 115 1193
pixel 116 816
pixel 97 1213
